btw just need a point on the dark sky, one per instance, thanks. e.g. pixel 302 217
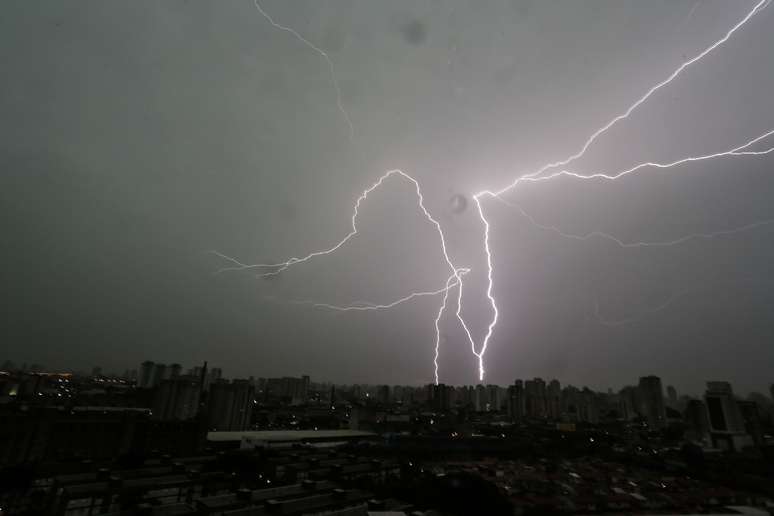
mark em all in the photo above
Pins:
pixel 136 136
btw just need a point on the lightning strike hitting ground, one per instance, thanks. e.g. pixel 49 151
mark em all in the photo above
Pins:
pixel 535 176
pixel 438 329
pixel 457 273
pixel 455 280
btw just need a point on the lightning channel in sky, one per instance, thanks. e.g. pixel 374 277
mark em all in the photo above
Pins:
pixel 323 54
pixel 536 175
pixel 654 243
pixel 455 280
pixel 360 306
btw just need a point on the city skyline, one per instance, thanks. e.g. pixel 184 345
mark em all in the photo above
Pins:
pixel 150 373
pixel 128 155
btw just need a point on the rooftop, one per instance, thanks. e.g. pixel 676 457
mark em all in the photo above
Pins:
pixel 288 435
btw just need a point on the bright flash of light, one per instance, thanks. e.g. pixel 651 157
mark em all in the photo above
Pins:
pixel 536 175
pixel 596 134
pixel 455 280
pixel 457 273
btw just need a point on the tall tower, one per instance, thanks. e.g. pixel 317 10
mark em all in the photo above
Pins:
pixel 146 374
pixel 727 427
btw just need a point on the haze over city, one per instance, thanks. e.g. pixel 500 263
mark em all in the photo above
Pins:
pixel 137 137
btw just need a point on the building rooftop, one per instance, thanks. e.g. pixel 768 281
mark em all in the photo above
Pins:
pixel 288 435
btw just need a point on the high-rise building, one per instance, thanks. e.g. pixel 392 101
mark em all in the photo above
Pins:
pixel 494 398
pixel 175 370
pixel 672 396
pixel 588 407
pixel 553 399
pixel 292 390
pixel 628 403
pixel 177 399
pixel 146 374
pixel 752 421
pixel 383 394
pixel 651 401
pixel 727 426
pixel 696 421
pixel 230 405
pixel 535 398
pixel 439 396
pixel 159 373
pixel 516 405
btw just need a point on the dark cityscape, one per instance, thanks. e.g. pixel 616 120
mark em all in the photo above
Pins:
pixel 164 439
pixel 386 258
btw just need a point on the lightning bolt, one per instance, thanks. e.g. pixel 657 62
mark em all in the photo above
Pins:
pixel 455 280
pixel 322 54
pixel 737 151
pixel 620 243
pixel 283 266
pixel 457 273
pixel 596 134
pixel 361 306
pixel 535 176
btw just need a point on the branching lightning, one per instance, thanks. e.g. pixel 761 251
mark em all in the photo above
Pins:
pixel 361 306
pixel 457 273
pixel 535 176
pixel 539 175
pixel 654 243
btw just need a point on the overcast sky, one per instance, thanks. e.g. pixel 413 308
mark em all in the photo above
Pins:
pixel 137 136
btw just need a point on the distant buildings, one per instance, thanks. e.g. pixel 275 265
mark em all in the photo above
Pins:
pixel 292 390
pixel 651 401
pixel 439 396
pixel 146 375
pixel 175 370
pixel 230 405
pixel 727 426
pixel 152 374
pixel 535 398
pixel 696 421
pixel 159 373
pixel 554 399
pixel 671 396
pixel 516 402
pixel 177 399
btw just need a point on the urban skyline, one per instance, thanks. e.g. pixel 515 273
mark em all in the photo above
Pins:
pixel 111 217
pixel 366 258
pixel 150 374
pixel 532 444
